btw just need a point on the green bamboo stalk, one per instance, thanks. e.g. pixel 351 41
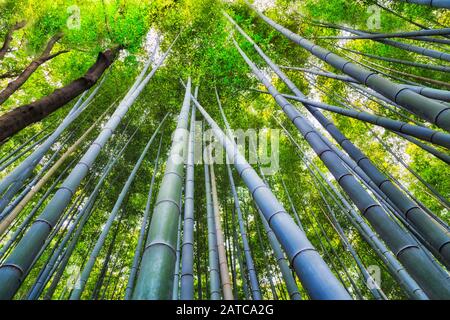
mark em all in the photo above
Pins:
pixel 426 108
pixel 223 265
pixel 76 293
pixel 155 277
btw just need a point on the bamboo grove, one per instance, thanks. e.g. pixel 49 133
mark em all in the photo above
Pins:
pixel 122 174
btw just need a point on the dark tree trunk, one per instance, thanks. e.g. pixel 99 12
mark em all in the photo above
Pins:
pixel 8 37
pixel 31 68
pixel 21 117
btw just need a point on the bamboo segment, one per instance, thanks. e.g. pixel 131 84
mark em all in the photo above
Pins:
pixel 187 268
pixel 223 265
pixel 155 278
pixel 141 239
pixel 4 224
pixel 429 274
pixel 214 272
pixel 318 281
pixel 76 293
pixel 256 291
pixel 428 109
pixel 85 212
pixel 16 178
pixel 176 276
pixel 439 237
pixel 431 3
pixel 396 269
pixel 16 265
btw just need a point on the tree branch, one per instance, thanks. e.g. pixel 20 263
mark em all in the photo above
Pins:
pixel 8 37
pixel 19 118
pixel 14 85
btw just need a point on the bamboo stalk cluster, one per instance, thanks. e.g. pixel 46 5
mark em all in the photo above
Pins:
pixel 185 237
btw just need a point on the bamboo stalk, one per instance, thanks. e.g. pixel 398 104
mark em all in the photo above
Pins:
pixel 214 272
pixel 4 224
pixel 142 232
pixel 403 245
pixel 187 268
pixel 155 278
pixel 223 265
pixel 21 258
pixel 319 281
pixel 76 293
pixel 426 108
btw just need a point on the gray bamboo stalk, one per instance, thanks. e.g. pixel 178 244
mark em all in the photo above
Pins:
pixel 223 265
pixel 5 164
pixel 76 293
pixel 176 275
pixel 431 3
pixel 213 257
pixel 34 146
pixel 238 257
pixel 419 203
pixel 439 197
pixel 318 281
pixel 396 269
pixel 56 236
pixel 355 169
pixel 322 73
pixel 187 263
pixel 29 186
pixel 21 147
pixel 30 215
pixel 438 236
pixel 423 133
pixel 291 203
pixel 268 272
pixel 428 92
pixel 288 277
pixel 403 245
pixel 106 262
pixel 405 62
pixel 289 280
pixel 415 23
pixel 334 253
pixel 155 277
pixel 424 107
pixel 420 144
pixel 440 155
pixel 404 34
pixel 15 266
pixel 15 179
pixel 256 292
pixel 378 68
pixel 19 207
pixel 57 257
pixel 230 249
pixel 369 281
pixel 47 270
pixel 143 229
pixel 435 193
pixel 383 102
pixel 198 258
pixel 407 47
pixel 87 209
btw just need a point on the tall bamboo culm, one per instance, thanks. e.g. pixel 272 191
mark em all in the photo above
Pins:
pixel 155 277
pixel 223 265
pixel 318 281
pixel 17 264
